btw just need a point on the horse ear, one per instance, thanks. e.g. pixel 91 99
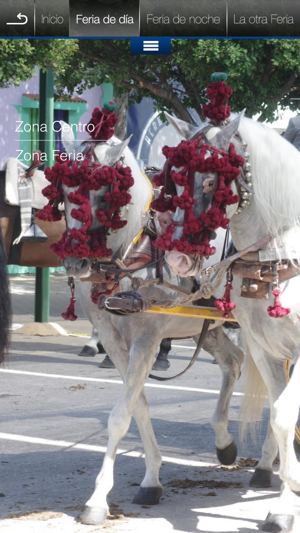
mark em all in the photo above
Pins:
pixel 67 136
pixel 185 129
pixel 223 138
pixel 114 152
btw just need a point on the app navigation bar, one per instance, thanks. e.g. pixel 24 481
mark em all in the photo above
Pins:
pixel 150 18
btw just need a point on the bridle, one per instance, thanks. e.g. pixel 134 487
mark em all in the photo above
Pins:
pixel 244 181
pixel 222 167
pixel 109 271
pixel 86 241
pixel 169 185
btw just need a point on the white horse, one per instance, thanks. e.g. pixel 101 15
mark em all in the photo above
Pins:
pixel 268 213
pixel 131 341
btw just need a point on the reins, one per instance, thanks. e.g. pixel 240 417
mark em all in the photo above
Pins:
pixel 207 322
pixel 208 288
pixel 117 271
pixel 209 270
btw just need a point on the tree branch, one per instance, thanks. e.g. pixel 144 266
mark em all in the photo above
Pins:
pixel 283 91
pixel 163 90
pixel 268 70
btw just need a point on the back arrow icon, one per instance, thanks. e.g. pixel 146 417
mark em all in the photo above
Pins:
pixel 19 16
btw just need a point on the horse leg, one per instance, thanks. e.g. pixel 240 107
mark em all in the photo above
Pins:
pixel 283 416
pixel 281 515
pixel 229 358
pixel 90 348
pixel 161 362
pixel 151 489
pixel 262 476
pixel 139 367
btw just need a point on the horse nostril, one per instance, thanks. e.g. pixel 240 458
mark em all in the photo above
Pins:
pixel 80 265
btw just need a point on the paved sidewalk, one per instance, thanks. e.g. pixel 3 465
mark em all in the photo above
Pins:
pixel 23 299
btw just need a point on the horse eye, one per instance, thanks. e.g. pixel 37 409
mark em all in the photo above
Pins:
pixel 208 185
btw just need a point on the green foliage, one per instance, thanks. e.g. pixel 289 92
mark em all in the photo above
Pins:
pixel 262 72
pixel 18 58
pixel 15 61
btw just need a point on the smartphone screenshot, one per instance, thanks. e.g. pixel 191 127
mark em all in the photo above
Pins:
pixel 149 56
pixel 101 93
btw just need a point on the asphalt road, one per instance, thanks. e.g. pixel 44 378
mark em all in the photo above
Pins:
pixel 55 407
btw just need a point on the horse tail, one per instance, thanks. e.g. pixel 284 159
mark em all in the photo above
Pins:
pixel 5 305
pixel 254 399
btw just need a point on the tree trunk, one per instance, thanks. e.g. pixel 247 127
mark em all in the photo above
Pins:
pixel 121 111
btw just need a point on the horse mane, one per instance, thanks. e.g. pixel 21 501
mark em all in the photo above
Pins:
pixel 141 195
pixel 275 168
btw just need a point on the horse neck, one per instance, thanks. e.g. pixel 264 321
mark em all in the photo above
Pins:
pixel 247 228
pixel 276 202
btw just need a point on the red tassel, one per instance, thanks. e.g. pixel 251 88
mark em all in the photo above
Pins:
pixel 70 312
pixel 225 304
pixel 276 310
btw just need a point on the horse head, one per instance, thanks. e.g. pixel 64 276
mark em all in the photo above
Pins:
pixel 92 214
pixel 93 180
pixel 203 169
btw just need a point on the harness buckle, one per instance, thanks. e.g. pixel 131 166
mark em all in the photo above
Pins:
pixel 208 271
pixel 124 303
pixel 229 276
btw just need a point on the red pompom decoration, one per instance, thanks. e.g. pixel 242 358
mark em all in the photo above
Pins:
pixel 49 213
pixel 218 93
pixel 190 157
pixel 88 175
pixel 69 314
pixel 102 123
pixel 225 304
pixel 276 310
pixel 163 203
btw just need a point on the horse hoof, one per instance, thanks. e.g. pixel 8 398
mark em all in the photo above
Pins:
pixel 88 351
pixel 261 478
pixel 93 516
pixel 100 348
pixel 278 523
pixel 227 455
pixel 161 364
pixel 148 496
pixel 107 363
